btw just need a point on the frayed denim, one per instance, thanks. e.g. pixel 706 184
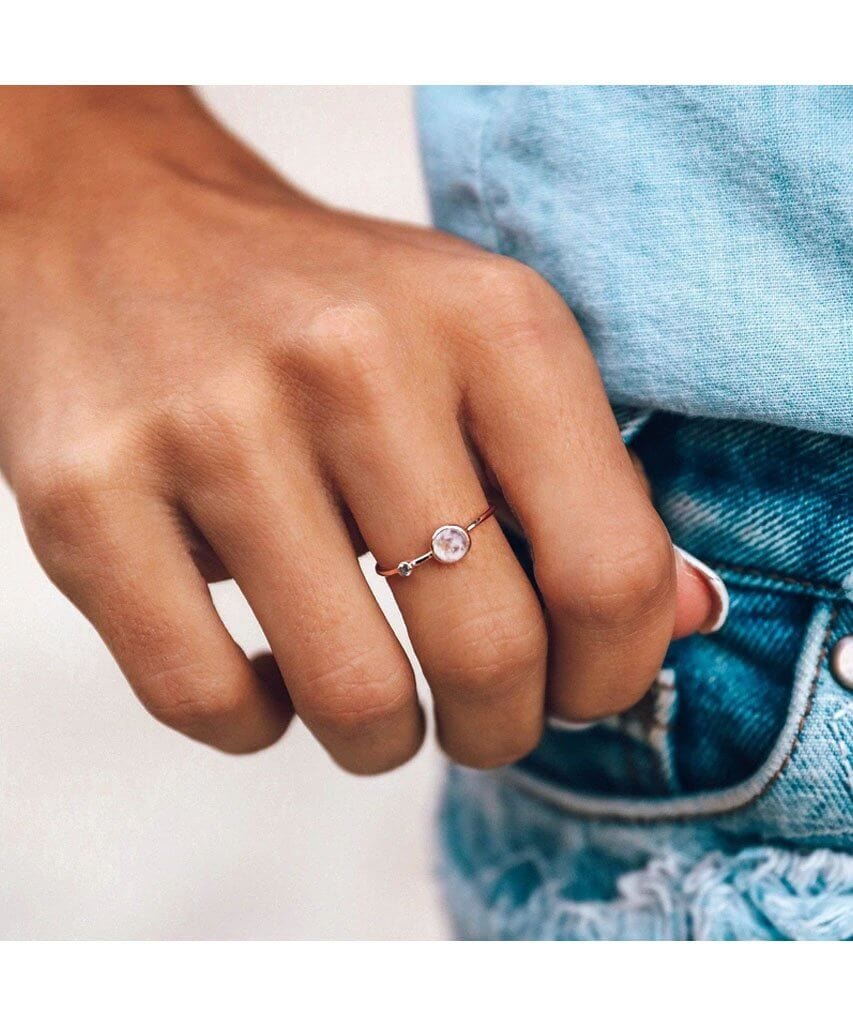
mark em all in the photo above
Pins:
pixel 702 237
pixel 720 806
pixel 518 869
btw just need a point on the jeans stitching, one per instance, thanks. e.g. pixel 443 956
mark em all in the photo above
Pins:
pixel 835 589
pixel 821 659
pixel 518 778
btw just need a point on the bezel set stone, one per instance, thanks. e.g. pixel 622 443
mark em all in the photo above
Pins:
pixel 450 543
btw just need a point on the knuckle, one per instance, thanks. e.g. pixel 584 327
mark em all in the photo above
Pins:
pixel 498 654
pixel 63 498
pixel 353 696
pixel 70 478
pixel 187 690
pixel 201 715
pixel 506 279
pixel 345 355
pixel 613 590
pixel 522 307
pixel 343 327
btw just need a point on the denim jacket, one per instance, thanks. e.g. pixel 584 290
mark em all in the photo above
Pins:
pixel 703 237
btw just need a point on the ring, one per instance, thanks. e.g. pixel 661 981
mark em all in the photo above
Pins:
pixel 450 543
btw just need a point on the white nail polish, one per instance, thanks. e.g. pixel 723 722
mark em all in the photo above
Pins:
pixel 717 587
pixel 567 725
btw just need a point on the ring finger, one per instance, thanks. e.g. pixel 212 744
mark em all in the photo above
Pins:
pixel 476 625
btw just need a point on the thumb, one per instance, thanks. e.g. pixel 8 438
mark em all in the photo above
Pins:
pixel 701 598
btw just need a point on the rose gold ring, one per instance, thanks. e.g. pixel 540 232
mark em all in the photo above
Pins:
pixel 450 543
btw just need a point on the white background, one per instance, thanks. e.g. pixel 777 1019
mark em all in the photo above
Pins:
pixel 111 826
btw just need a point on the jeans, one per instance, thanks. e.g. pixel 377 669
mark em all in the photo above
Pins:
pixel 721 806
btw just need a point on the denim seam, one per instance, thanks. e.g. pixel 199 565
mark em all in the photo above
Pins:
pixel 822 656
pixel 607 809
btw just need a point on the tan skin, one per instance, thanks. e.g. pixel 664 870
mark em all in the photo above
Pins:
pixel 205 373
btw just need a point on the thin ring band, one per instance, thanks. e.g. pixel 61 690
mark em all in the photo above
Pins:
pixel 450 543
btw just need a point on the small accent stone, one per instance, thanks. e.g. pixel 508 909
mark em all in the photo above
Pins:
pixel 405 568
pixel 450 543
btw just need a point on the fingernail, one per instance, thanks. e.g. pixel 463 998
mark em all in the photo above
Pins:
pixel 719 593
pixel 567 725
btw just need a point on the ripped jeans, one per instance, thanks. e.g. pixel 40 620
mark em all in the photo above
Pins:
pixel 721 806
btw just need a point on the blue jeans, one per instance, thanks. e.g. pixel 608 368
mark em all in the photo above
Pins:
pixel 721 806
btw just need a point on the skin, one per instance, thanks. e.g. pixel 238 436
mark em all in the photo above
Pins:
pixel 205 373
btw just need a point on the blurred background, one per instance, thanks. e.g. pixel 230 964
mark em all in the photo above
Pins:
pixel 112 826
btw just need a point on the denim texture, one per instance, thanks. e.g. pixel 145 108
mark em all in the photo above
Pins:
pixel 703 236
pixel 721 806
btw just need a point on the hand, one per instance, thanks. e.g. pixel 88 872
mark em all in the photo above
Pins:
pixel 203 374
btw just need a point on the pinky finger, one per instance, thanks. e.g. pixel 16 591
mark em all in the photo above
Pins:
pixel 130 573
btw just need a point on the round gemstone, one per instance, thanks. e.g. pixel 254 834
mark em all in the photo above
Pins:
pixel 405 568
pixel 450 543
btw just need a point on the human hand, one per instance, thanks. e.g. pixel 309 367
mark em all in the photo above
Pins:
pixel 203 373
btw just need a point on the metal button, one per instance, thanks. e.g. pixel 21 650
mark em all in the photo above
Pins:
pixel 841 662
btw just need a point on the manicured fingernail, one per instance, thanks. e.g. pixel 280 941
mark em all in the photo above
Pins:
pixel 718 590
pixel 567 725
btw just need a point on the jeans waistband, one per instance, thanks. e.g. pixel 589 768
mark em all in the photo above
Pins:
pixel 756 501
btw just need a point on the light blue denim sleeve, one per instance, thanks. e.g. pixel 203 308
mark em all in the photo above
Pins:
pixel 703 236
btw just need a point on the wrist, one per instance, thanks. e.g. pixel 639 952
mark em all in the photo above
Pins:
pixel 61 140
pixel 50 130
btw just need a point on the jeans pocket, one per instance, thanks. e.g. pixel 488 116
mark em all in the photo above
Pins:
pixel 747 727
pixel 765 855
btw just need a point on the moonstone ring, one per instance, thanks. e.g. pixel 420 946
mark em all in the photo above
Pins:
pixel 449 544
